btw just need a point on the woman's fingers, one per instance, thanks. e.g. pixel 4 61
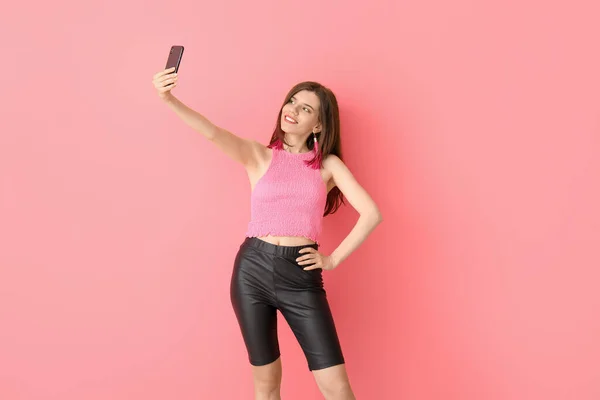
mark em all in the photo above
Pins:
pixel 306 260
pixel 164 72
pixel 166 82
pixel 167 88
pixel 158 84
pixel 312 266
pixel 165 77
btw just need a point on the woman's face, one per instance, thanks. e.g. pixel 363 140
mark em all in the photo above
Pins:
pixel 303 109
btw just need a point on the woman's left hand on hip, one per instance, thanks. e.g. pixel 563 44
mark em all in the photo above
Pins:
pixel 315 260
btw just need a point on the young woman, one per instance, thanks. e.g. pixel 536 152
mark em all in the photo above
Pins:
pixel 296 180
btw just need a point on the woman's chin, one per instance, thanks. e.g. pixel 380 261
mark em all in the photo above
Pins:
pixel 291 132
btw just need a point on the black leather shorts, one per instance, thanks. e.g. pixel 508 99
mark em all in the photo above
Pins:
pixel 267 278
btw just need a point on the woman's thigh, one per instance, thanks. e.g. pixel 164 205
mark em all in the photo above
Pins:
pixel 252 299
pixel 303 302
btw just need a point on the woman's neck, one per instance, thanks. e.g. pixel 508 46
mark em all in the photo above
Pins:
pixel 295 147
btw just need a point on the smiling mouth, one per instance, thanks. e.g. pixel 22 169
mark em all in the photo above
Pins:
pixel 289 120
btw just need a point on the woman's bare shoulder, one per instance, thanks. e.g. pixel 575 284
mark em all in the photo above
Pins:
pixel 331 162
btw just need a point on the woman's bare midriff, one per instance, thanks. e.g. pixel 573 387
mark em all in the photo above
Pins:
pixel 286 240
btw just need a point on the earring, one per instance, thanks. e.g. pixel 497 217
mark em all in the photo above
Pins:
pixel 319 156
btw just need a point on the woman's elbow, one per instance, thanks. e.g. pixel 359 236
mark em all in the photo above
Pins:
pixel 375 216
pixel 379 217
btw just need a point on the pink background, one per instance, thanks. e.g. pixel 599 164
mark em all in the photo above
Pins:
pixel 475 127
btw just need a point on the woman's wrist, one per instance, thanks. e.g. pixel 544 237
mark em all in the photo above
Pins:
pixel 334 260
pixel 167 97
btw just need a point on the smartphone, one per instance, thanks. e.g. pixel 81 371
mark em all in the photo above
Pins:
pixel 175 57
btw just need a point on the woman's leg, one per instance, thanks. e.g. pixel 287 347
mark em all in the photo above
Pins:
pixel 254 304
pixel 303 302
pixel 333 383
pixel 267 381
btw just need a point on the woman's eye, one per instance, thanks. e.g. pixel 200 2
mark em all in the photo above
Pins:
pixel 305 108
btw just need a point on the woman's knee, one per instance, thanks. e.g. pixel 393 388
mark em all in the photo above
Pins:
pixel 267 378
pixel 333 383
pixel 336 390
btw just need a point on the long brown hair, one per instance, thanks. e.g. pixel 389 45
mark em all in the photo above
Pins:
pixel 328 139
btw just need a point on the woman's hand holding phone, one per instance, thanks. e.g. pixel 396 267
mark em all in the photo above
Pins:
pixel 164 81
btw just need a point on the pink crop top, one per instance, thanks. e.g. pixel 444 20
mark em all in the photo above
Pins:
pixel 289 199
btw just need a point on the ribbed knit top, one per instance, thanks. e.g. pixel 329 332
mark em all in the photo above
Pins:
pixel 289 199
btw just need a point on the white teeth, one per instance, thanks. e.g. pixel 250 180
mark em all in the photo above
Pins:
pixel 289 119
